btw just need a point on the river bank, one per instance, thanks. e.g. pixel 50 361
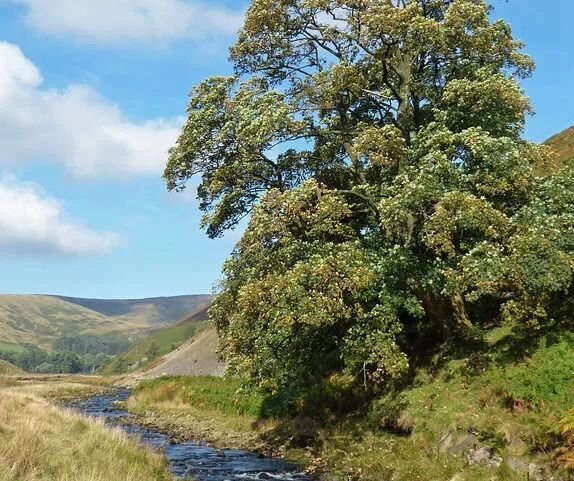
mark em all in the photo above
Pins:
pixel 57 428
pixel 188 459
pixel 479 416
pixel 41 441
pixel 485 416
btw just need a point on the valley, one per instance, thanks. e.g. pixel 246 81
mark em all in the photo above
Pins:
pixel 364 187
pixel 51 334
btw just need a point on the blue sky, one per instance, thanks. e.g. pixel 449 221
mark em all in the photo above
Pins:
pixel 91 96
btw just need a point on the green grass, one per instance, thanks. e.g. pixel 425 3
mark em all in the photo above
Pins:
pixel 11 347
pixel 510 394
pixel 161 342
pixel 204 409
pixel 201 392
pixel 510 399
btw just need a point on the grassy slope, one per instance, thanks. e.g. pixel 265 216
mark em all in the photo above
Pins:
pixel 41 442
pixel 563 145
pixel 509 399
pixel 40 319
pixel 11 347
pixel 162 341
pixel 9 369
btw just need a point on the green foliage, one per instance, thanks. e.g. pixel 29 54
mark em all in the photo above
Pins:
pixel 567 430
pixel 546 379
pixel 36 360
pixel 377 148
pixel 90 344
pixel 297 296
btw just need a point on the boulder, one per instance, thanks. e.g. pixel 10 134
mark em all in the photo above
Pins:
pixel 483 455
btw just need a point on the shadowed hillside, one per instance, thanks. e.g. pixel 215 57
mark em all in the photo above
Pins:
pixel 153 311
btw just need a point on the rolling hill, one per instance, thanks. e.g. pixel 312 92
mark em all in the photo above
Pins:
pixel 159 343
pixel 39 320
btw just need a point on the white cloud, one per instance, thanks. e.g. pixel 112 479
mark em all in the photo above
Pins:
pixel 33 223
pixel 111 21
pixel 75 126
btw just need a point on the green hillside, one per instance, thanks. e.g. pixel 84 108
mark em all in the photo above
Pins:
pixel 40 320
pixel 563 145
pixel 159 343
pixel 9 369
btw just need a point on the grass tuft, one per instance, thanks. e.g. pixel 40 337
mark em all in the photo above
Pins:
pixel 41 442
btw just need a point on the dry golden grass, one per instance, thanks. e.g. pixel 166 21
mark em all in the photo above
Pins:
pixel 42 442
pixel 7 369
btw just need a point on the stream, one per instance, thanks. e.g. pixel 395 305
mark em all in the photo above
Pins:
pixel 189 459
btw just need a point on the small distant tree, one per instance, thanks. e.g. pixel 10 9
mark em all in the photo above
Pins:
pixel 377 146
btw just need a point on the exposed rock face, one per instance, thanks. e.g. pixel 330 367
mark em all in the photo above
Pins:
pixel 536 473
pixel 483 455
pixel 467 443
pixel 469 447
pixel 518 465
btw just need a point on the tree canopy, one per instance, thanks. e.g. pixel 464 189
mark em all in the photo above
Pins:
pixel 376 146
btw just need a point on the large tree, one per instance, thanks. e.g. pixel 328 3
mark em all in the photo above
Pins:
pixel 376 146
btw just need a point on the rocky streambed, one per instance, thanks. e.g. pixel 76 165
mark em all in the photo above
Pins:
pixel 190 459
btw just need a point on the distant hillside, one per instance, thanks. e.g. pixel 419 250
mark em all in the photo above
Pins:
pixel 154 311
pixel 197 357
pixel 7 369
pixel 563 145
pixel 39 320
pixel 158 344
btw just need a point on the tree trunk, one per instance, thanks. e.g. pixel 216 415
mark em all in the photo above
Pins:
pixel 448 314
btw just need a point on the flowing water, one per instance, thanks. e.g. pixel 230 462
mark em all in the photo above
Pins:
pixel 189 459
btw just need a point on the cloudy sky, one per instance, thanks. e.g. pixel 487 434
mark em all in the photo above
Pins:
pixel 92 94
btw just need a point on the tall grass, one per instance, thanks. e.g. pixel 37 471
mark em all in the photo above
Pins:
pixel 41 442
pixel 208 409
pixel 9 369
pixel 202 392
